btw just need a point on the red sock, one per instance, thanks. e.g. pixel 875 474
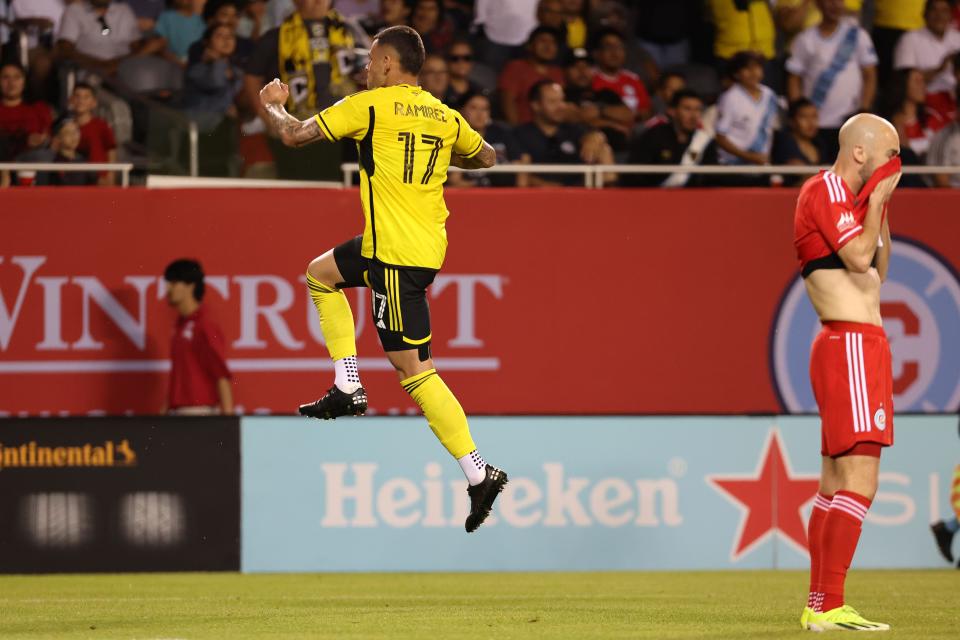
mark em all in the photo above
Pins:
pixel 841 532
pixel 815 543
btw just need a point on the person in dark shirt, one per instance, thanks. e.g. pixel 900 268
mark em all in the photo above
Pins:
pixel 62 149
pixel 665 30
pixel 392 13
pixel 216 12
pixel 668 143
pixel 476 111
pixel 603 109
pixel 551 140
pixel 799 144
pixel 459 66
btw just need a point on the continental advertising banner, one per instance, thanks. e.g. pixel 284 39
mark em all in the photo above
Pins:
pixel 585 493
pixel 119 494
pixel 691 296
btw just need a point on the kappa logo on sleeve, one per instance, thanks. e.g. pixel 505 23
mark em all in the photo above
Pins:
pixel 846 221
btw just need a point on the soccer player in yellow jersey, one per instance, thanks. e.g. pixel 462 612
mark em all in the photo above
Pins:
pixel 406 140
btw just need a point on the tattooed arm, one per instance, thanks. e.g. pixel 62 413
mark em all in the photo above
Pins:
pixel 484 159
pixel 293 132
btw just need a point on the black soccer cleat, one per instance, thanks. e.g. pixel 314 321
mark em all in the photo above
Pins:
pixel 335 403
pixel 482 496
pixel 944 539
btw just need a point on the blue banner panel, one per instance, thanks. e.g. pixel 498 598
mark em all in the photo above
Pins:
pixel 586 493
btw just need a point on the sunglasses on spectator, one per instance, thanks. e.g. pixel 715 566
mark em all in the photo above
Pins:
pixel 104 27
pixel 466 57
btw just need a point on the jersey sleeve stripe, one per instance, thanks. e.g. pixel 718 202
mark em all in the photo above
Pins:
pixel 323 125
pixel 838 187
pixel 831 187
pixel 849 234
pixel 475 151
pixel 826 181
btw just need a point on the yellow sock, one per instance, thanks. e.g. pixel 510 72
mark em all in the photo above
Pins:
pixel 955 492
pixel 443 412
pixel 336 318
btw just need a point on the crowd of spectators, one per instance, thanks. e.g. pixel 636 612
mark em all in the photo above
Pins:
pixel 670 82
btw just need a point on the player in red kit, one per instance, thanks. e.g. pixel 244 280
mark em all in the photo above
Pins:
pixel 842 236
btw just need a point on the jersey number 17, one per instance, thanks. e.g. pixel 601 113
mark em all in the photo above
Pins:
pixel 409 140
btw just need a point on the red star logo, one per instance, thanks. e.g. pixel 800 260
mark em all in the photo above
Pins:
pixel 771 500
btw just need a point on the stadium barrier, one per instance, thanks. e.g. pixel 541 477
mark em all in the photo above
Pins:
pixel 677 301
pixel 119 494
pixel 594 175
pixel 123 168
pixel 380 494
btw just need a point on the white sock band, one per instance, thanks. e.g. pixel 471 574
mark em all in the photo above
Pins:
pixel 474 467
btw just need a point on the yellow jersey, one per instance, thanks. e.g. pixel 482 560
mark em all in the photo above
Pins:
pixel 737 30
pixel 405 138
pixel 813 17
pixel 905 15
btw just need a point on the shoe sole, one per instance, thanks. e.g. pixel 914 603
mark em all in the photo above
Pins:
pixel 816 628
pixel 487 505
pixel 327 415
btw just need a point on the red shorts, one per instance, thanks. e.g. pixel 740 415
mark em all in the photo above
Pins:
pixel 852 374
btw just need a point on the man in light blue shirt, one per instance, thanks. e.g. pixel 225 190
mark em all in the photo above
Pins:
pixel 180 27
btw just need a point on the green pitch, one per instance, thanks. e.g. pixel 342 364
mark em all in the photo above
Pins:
pixel 755 604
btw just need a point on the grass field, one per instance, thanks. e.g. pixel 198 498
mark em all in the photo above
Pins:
pixel 760 604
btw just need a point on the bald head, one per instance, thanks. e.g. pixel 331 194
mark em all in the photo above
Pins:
pixel 868 141
pixel 866 128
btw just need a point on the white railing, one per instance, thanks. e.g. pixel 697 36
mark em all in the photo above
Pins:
pixel 187 182
pixel 593 174
pixel 123 168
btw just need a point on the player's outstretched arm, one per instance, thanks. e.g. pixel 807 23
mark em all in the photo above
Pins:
pixel 484 159
pixel 293 132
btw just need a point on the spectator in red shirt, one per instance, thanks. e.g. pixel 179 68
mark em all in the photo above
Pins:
pixel 23 126
pixel 610 54
pixel 200 382
pixel 519 76
pixel 97 142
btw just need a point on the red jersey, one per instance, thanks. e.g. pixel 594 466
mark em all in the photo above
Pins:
pixel 625 84
pixel 20 121
pixel 829 216
pixel 96 140
pixel 197 362
pixel 825 219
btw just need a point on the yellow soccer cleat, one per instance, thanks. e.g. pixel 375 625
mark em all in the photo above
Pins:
pixel 805 617
pixel 843 618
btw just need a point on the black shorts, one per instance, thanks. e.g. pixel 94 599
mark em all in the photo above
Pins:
pixel 399 302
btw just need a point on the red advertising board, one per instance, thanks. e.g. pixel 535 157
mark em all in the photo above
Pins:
pixel 551 301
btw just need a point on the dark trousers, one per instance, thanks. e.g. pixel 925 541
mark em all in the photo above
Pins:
pixel 885 42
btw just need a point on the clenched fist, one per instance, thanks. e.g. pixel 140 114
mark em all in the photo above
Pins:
pixel 274 92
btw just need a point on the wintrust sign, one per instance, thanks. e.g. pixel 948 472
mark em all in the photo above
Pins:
pixel 263 305
pixel 56 323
